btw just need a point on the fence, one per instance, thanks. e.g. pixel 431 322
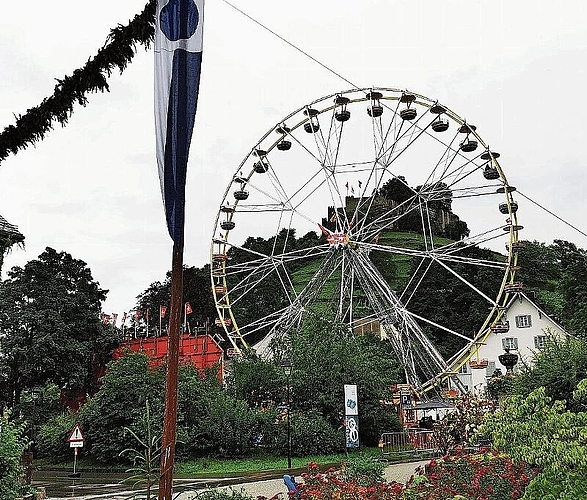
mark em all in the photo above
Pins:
pixel 411 442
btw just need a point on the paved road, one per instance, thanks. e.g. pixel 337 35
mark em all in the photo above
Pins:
pixel 109 487
pixel 398 472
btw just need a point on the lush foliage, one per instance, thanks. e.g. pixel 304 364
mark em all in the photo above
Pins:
pixel 119 404
pixel 51 441
pixel 211 422
pixel 488 475
pixel 459 426
pixel 554 273
pixel 543 433
pixel 325 358
pixel 50 329
pixel 12 446
pixel 363 470
pixel 558 367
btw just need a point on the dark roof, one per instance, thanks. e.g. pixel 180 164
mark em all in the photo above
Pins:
pixel 8 230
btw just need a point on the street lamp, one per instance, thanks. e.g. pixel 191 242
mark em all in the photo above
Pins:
pixel 287 366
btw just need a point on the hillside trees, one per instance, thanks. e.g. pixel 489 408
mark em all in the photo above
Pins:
pixel 50 329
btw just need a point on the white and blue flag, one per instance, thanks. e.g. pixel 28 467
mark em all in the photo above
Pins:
pixel 178 58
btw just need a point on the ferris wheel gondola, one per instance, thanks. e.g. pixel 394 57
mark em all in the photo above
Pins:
pixel 384 179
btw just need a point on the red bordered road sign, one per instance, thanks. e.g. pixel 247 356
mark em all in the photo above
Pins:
pixel 76 438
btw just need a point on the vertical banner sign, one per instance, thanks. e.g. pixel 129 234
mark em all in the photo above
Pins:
pixel 178 57
pixel 351 408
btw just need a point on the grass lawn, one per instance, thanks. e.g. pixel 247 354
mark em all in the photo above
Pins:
pixel 214 467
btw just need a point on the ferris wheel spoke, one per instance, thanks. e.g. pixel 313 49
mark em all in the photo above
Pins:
pixel 302 304
pixel 251 273
pixel 466 282
pixel 402 329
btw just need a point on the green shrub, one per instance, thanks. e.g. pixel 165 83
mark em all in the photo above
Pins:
pixel 119 404
pixel 544 434
pixel 364 470
pixel 222 495
pixel 52 437
pixel 12 446
pixel 311 434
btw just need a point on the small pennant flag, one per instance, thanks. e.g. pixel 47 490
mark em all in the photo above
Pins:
pixel 124 318
pixel 162 311
pixel 188 308
pixel 105 318
pixel 178 58
pixel 114 318
pixel 137 314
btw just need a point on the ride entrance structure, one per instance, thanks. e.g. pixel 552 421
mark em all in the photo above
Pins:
pixel 404 213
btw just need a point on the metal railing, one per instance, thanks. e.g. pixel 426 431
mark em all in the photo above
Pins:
pixel 411 442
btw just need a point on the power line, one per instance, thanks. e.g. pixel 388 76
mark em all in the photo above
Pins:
pixel 552 213
pixel 291 44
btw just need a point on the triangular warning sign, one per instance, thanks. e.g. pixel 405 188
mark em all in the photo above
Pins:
pixel 76 434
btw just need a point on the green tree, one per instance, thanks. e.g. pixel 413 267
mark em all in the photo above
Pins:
pixel 196 290
pixel 50 329
pixel 543 433
pixel 120 403
pixel 325 357
pixel 255 380
pixel 397 190
pixel 12 446
pixel 558 367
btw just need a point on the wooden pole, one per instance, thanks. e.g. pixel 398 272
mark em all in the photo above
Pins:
pixel 170 419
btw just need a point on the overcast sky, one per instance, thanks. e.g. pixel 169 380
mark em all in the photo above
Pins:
pixel 516 69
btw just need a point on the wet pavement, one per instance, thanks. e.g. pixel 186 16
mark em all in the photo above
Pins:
pixel 109 486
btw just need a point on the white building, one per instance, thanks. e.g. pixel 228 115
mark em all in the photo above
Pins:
pixel 528 325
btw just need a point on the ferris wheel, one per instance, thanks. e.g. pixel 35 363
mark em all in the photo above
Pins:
pixel 355 207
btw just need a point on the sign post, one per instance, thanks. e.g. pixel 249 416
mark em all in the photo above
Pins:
pixel 76 440
pixel 351 408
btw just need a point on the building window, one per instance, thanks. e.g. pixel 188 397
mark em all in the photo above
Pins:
pixel 464 369
pixel 510 343
pixel 539 341
pixel 490 369
pixel 524 321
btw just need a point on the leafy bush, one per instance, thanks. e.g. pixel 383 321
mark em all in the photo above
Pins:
pixel 544 434
pixel 12 446
pixel 52 437
pixel 216 494
pixel 333 485
pixel 459 426
pixel 558 367
pixel 120 403
pixel 364 470
pixel 489 475
pixel 311 434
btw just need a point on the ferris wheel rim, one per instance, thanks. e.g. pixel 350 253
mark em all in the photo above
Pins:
pixel 307 112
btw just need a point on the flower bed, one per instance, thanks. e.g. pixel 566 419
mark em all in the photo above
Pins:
pixel 486 475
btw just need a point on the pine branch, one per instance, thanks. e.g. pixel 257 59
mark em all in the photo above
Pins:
pixel 117 53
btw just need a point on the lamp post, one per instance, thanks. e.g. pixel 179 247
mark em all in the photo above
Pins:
pixel 287 366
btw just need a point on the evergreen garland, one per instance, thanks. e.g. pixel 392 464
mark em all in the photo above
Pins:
pixel 117 52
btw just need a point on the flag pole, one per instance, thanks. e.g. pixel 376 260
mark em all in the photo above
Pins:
pixel 170 419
